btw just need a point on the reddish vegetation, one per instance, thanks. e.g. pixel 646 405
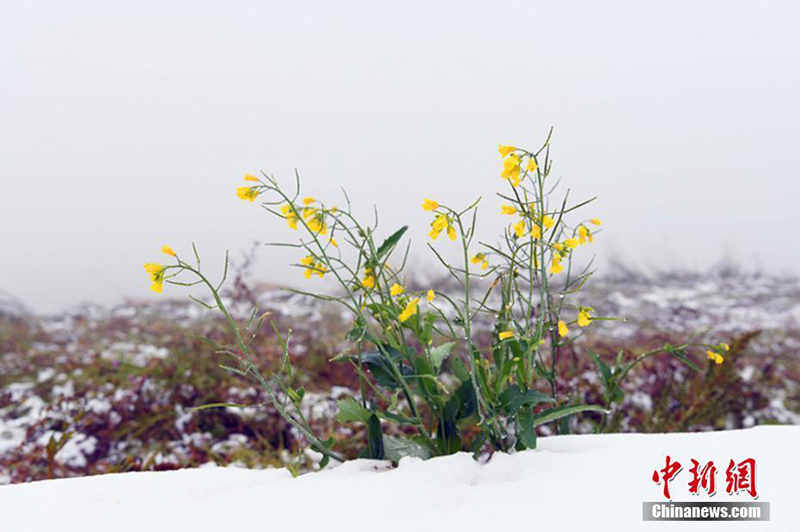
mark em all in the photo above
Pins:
pixel 110 389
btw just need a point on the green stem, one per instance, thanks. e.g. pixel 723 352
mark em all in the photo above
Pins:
pixel 252 369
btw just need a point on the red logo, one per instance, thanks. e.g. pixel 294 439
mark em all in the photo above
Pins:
pixel 741 477
pixel 738 477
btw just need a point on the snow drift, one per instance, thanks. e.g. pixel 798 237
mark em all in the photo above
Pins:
pixel 568 483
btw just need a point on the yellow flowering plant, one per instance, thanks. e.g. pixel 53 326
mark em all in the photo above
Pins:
pixel 420 366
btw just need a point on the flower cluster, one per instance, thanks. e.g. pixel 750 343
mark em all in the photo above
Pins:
pixel 715 353
pixel 409 310
pixel 561 250
pixel 512 164
pixel 481 259
pixel 442 222
pixel 156 272
pixel 313 216
pixel 368 281
pixel 312 267
pixel 248 193
pixel 410 305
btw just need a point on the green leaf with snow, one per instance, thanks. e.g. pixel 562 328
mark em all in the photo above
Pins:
pixel 439 354
pixel 396 448
pixel 351 410
pixel 562 411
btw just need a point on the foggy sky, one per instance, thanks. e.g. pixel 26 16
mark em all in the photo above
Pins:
pixel 127 126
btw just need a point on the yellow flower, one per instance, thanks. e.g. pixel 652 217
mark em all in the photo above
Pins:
pixel 508 209
pixel 726 347
pixel 548 222
pixel 308 200
pixel 369 280
pixel 596 221
pixel 291 216
pixel 505 150
pixel 317 225
pixel 247 193
pixel 248 177
pixel 480 258
pixel 556 267
pixel 308 212
pixel 169 251
pixel 410 310
pixel 536 231
pixel 430 205
pixel 563 330
pixel 519 228
pixel 431 295
pixel 532 166
pixel 716 357
pixel 441 222
pixel 334 243
pixel 397 289
pixel 505 335
pixel 584 317
pixel 511 169
pixel 156 272
pixel 558 246
pixel 571 243
pixel 312 266
pixel 582 234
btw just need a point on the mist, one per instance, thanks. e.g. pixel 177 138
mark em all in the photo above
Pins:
pixel 124 127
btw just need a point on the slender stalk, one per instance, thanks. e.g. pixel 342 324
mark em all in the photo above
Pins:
pixel 252 369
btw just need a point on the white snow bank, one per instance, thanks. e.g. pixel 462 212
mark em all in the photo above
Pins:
pixel 569 483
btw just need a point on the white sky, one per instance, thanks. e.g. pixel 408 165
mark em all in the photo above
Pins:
pixel 126 126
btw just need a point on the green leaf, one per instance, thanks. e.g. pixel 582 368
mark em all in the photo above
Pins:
pixel 396 448
pixel 381 366
pixel 427 328
pixel 460 370
pixel 375 438
pixel 604 369
pixel 461 404
pixel 681 355
pixel 390 242
pixel 562 411
pixel 617 396
pixel 351 410
pixel 528 433
pixel 218 405
pixel 397 418
pixel 326 446
pixel 439 354
pixel 423 375
pixel 512 399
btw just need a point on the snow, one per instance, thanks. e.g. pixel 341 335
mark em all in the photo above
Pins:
pixel 568 483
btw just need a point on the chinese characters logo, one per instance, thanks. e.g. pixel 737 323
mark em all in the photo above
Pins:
pixel 739 477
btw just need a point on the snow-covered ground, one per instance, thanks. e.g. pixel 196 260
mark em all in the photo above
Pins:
pixel 568 483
